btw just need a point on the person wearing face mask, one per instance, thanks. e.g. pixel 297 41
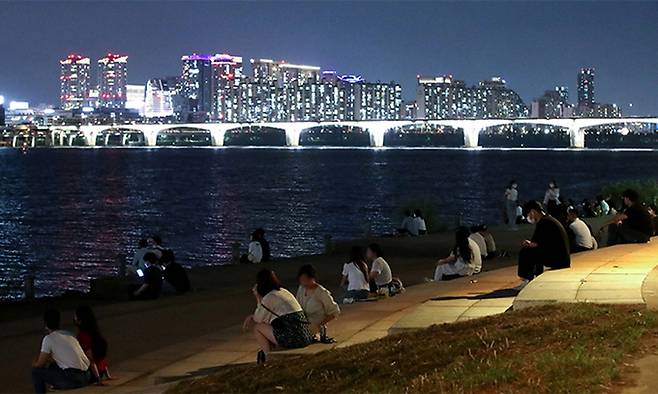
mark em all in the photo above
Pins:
pixel 549 245
pixel 511 198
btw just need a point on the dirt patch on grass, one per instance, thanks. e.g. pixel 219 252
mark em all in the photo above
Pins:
pixel 567 348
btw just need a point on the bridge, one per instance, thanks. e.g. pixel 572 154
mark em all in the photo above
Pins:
pixel 147 134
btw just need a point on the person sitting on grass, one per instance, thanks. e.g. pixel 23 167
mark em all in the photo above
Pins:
pixel 633 225
pixel 355 277
pixel 464 259
pixel 580 235
pixel 419 222
pixel 138 258
pixel 61 363
pixel 480 241
pixel 255 252
pixel 492 251
pixel 549 245
pixel 380 271
pixel 407 223
pixel 264 245
pixel 93 343
pixel 151 280
pixel 279 320
pixel 174 273
pixel 316 301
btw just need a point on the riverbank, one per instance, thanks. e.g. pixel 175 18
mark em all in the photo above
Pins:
pixel 221 299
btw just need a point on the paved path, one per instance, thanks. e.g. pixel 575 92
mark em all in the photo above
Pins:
pixel 620 274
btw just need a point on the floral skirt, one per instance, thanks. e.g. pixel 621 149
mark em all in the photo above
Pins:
pixel 291 331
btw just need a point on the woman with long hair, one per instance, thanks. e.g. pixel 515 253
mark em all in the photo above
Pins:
pixel 464 260
pixel 92 342
pixel 552 198
pixel 355 276
pixel 279 319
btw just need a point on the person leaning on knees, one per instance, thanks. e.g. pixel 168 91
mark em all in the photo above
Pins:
pixel 492 251
pixel 380 271
pixel 633 225
pixel 279 320
pixel 464 259
pixel 151 280
pixel 61 363
pixel 355 277
pixel 549 245
pixel 581 238
pixel 316 301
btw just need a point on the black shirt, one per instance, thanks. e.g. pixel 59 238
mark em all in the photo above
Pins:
pixel 553 242
pixel 638 219
pixel 152 278
pixel 265 246
pixel 177 277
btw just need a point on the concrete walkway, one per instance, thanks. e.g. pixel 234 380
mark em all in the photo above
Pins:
pixel 619 274
pixel 622 274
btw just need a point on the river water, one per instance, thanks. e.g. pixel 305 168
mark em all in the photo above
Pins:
pixel 67 214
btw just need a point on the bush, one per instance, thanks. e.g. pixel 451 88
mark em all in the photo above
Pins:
pixel 648 190
pixel 430 213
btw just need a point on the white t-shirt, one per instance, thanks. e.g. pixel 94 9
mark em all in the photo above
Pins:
pixel 255 253
pixel 583 235
pixel 406 223
pixel 355 278
pixel 552 195
pixel 481 242
pixel 65 350
pixel 489 240
pixel 475 265
pixel 419 224
pixel 605 208
pixel 383 270
pixel 413 226
pixel 281 302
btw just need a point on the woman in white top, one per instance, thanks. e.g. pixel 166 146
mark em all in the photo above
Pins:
pixel 511 198
pixel 355 276
pixel 419 222
pixel 316 301
pixel 279 319
pixel 464 260
pixel 552 197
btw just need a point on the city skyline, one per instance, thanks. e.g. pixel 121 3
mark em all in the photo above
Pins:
pixel 380 55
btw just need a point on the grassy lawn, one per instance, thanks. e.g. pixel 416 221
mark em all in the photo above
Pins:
pixel 567 348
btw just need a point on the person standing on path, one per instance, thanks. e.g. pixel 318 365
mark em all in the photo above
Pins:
pixel 511 201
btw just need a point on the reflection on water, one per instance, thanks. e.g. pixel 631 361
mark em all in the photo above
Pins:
pixel 66 215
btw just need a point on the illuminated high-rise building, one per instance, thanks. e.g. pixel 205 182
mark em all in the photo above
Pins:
pixel 447 98
pixel 158 102
pixel 226 77
pixel 74 81
pixel 586 87
pixel 377 101
pixel 112 74
pixel 196 87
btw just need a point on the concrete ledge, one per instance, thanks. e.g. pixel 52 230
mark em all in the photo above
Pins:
pixel 621 274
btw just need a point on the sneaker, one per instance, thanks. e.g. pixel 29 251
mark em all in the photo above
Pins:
pixel 522 285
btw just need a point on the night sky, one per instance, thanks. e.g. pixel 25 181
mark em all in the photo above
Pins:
pixel 534 46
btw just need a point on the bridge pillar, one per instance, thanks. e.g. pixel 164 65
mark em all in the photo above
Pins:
pixel 217 137
pixel 577 137
pixel 471 135
pixel 292 135
pixel 150 137
pixel 377 133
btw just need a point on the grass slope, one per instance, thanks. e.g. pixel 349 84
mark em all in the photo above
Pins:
pixel 566 348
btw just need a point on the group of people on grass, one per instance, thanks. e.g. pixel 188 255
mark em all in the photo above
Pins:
pixel 413 223
pixel 282 319
pixel 156 272
pixel 68 361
